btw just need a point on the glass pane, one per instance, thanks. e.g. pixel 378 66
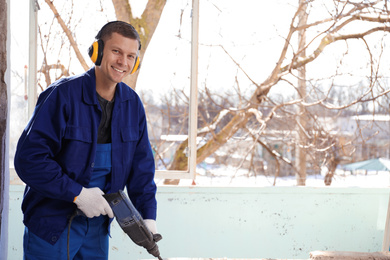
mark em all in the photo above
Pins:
pixel 260 136
pixel 234 56
pixel 19 73
pixel 164 86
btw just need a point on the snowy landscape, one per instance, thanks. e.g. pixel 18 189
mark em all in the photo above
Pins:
pixel 229 176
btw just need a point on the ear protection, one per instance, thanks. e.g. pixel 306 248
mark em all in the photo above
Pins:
pixel 95 51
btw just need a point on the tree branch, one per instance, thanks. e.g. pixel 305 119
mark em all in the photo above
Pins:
pixel 68 34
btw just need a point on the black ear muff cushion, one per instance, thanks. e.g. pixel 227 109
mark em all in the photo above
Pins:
pixel 96 52
pixel 100 53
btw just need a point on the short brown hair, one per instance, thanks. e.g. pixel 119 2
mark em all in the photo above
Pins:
pixel 123 28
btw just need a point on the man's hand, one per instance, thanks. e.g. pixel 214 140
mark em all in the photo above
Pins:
pixel 151 225
pixel 92 203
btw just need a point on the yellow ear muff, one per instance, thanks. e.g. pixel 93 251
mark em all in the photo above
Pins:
pixel 95 51
pixel 136 65
pixel 95 48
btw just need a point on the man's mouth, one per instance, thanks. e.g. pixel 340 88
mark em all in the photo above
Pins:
pixel 121 71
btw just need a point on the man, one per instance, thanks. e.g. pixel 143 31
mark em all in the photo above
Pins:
pixel 87 136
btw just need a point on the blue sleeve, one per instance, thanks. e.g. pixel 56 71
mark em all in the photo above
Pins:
pixel 38 146
pixel 141 187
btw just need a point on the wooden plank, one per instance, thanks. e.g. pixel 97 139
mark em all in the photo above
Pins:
pixel 332 255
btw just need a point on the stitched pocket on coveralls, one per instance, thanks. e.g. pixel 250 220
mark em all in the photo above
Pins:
pixel 78 133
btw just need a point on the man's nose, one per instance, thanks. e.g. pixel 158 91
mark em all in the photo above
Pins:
pixel 123 60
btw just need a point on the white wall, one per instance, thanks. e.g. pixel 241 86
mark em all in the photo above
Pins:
pixel 272 222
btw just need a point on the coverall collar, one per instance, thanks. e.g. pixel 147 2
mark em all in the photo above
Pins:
pixel 89 90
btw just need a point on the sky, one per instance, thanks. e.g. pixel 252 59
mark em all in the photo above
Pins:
pixel 243 31
pixel 251 31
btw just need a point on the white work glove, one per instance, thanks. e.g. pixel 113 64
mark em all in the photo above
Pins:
pixel 151 225
pixel 91 202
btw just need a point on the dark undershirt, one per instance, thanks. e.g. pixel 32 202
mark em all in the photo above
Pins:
pixel 104 130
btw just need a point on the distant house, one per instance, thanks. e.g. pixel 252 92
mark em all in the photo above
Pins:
pixel 373 135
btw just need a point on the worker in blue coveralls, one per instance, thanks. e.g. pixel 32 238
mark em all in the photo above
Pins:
pixel 87 137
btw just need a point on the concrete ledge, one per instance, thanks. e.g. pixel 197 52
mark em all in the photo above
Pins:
pixel 246 222
pixel 327 255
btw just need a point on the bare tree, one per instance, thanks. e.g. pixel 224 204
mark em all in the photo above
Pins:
pixel 330 30
pixel 262 116
pixel 301 115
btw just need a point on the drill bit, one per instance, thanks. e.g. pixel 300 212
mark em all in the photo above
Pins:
pixel 159 258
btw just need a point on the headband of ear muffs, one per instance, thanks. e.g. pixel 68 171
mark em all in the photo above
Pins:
pixel 95 51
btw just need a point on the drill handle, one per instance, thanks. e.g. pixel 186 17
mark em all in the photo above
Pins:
pixel 157 237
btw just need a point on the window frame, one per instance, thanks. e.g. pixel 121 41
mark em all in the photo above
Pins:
pixel 193 109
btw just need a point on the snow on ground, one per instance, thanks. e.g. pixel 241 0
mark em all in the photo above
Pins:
pixel 229 176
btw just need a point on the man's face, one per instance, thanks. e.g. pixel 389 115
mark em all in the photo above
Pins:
pixel 118 58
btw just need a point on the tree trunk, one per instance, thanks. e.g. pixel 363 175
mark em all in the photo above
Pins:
pixel 146 25
pixel 4 171
pixel 332 169
pixel 300 151
pixel 180 160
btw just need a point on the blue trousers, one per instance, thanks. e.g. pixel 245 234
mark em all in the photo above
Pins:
pixel 88 237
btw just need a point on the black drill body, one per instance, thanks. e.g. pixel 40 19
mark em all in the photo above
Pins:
pixel 132 222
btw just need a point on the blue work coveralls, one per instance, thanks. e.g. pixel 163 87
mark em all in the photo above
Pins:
pixel 55 154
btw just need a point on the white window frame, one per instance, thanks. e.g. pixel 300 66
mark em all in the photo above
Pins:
pixel 32 56
pixel 193 110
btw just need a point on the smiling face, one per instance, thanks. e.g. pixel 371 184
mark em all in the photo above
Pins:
pixel 119 56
